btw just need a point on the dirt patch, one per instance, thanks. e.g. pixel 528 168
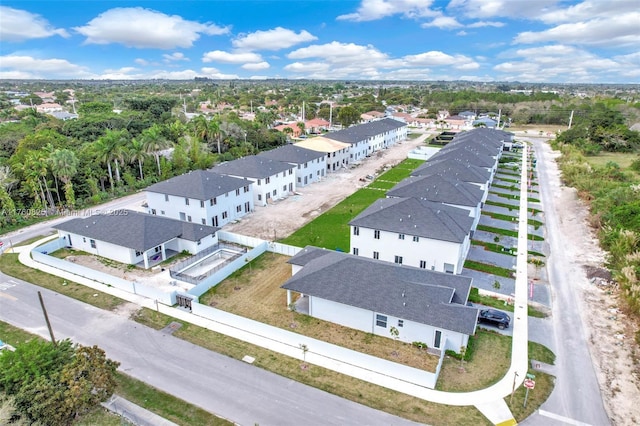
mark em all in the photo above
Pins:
pixel 282 218
pixel 261 282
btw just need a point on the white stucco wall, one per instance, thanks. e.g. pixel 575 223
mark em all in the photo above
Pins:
pixel 435 252
pixel 313 171
pixel 224 207
pixel 102 248
pixel 365 320
pixel 279 186
pixel 337 159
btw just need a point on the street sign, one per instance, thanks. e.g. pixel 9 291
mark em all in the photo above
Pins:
pixel 529 384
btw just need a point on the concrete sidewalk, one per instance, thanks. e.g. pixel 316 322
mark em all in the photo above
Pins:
pixel 489 401
pixel 134 413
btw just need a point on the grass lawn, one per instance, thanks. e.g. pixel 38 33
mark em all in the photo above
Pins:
pixel 239 293
pixel 508 232
pixel 494 302
pixel 623 159
pixel 490 269
pixel 331 230
pixel 401 171
pixel 10 265
pixel 383 185
pixel 490 361
pixel 330 381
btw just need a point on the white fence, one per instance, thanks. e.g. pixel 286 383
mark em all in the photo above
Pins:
pixel 285 249
pixel 228 269
pixel 40 254
pixel 242 240
pixel 283 341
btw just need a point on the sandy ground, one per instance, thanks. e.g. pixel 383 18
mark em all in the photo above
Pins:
pixel 610 332
pixel 286 216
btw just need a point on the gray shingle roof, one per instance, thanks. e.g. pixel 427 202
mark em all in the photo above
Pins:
pixel 253 166
pixel 438 189
pixel 415 217
pixel 454 168
pixel 466 155
pixel 364 131
pixel 292 154
pixel 419 295
pixel 135 230
pixel 199 185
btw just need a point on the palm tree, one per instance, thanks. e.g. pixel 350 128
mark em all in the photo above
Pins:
pixel 154 142
pixel 65 166
pixel 110 147
pixel 137 154
pixel 208 129
pixel 7 180
pixel 35 172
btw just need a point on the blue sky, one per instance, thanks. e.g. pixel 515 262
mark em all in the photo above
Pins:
pixel 591 41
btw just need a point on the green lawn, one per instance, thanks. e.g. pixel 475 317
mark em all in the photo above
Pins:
pixel 331 229
pixel 623 159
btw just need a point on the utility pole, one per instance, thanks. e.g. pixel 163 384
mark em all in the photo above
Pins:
pixel 513 388
pixel 570 119
pixel 46 318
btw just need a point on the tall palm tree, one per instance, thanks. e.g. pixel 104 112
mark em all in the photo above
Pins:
pixel 208 129
pixel 154 142
pixel 65 166
pixel 110 148
pixel 136 153
pixel 35 172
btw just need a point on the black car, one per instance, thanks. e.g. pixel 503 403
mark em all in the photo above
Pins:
pixel 493 317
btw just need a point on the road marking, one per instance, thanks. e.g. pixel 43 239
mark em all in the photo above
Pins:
pixel 562 418
pixel 7 285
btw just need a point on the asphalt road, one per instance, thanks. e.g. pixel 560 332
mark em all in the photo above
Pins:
pixel 230 388
pixel 576 398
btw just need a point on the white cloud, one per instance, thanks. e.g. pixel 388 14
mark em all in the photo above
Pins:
pixel 624 30
pixel 43 68
pixel 152 29
pixel 19 25
pixel 437 58
pixel 480 24
pixel 231 57
pixel 443 22
pixel 275 39
pixel 175 56
pixel 214 73
pixel 462 33
pixel 589 9
pixel 561 63
pixel 256 66
pixel 141 62
pixel 501 8
pixel 371 10
pixel 307 67
pixel 343 53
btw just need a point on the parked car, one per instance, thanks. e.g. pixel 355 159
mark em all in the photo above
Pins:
pixel 493 317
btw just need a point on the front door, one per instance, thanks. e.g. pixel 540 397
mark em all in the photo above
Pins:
pixel 437 339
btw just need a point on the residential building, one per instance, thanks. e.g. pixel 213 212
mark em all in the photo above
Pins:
pixel 365 139
pixel 203 197
pixel 135 238
pixel 310 166
pixel 336 153
pixel 413 232
pixel 374 296
pixel 272 179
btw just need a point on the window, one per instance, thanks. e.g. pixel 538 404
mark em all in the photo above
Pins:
pixel 93 243
pixel 202 204
pixel 239 208
pixel 246 188
pixel 381 321
pixel 398 260
pixel 275 193
pixel 299 180
pixel 291 170
pixel 238 191
pixel 204 221
pixel 376 255
pixel 400 323
pixel 259 197
pixel 199 242
pixel 259 183
pixel 356 230
pixel 186 201
pixel 355 251
pixel 416 238
pixel 401 236
pixel 448 268
pixel 423 264
pixel 166 197
pixel 214 220
pixel 213 201
pixel 376 234
pixel 153 211
pixel 189 218
pixel 138 253
pixel 267 180
pixel 224 215
pixel 284 188
pixel 162 212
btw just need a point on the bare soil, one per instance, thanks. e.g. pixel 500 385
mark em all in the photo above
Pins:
pixel 284 217
pixel 262 280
